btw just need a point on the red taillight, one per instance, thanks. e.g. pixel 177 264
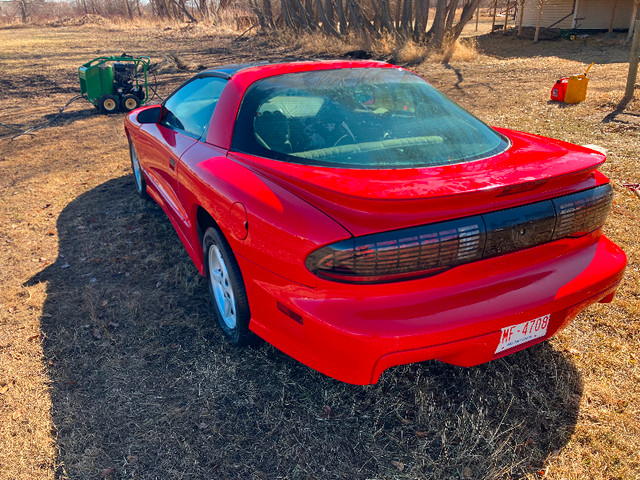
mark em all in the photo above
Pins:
pixel 402 254
pixel 430 249
pixel 582 212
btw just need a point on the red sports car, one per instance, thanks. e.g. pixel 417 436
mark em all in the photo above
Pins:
pixel 355 218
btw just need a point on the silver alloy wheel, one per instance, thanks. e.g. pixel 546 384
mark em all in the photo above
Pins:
pixel 135 163
pixel 221 286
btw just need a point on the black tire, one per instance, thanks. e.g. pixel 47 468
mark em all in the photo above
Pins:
pixel 129 103
pixel 226 289
pixel 138 176
pixel 108 104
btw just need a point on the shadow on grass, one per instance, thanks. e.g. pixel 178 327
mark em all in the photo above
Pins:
pixel 143 385
pixel 596 48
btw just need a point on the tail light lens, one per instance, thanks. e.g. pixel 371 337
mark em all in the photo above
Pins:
pixel 401 254
pixel 430 249
pixel 582 212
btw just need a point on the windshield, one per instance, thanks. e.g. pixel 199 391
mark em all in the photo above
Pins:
pixel 359 118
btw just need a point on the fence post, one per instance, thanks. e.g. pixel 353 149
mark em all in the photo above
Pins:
pixel 633 63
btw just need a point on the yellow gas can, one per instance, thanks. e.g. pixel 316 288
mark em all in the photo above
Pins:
pixel 577 88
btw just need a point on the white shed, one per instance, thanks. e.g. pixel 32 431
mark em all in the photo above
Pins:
pixel 579 14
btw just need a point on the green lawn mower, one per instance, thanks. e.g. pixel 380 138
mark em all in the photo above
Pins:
pixel 115 84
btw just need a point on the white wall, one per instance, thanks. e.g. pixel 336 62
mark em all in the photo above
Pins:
pixel 597 14
pixel 552 11
pixel 592 14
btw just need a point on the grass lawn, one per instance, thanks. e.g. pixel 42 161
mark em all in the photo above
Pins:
pixel 111 365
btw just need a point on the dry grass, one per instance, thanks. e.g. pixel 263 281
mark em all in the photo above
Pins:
pixel 388 47
pixel 110 365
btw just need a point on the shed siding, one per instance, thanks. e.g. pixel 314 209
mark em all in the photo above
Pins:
pixel 597 15
pixel 552 11
pixel 592 14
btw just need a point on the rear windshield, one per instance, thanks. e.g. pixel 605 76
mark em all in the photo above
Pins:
pixel 359 118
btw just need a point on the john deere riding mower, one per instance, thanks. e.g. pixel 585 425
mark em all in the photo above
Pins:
pixel 115 83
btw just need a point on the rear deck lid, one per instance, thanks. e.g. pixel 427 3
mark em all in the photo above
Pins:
pixel 366 201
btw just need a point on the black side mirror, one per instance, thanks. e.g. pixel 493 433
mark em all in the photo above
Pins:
pixel 150 115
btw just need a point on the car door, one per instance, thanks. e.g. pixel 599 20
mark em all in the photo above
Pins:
pixel 184 118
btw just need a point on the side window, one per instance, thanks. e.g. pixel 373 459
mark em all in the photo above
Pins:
pixel 191 107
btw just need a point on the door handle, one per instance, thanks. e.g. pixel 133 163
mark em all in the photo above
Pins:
pixel 172 163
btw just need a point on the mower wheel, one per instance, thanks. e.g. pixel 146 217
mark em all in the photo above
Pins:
pixel 108 104
pixel 130 102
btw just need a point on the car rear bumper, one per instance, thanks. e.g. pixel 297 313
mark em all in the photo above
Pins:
pixel 355 332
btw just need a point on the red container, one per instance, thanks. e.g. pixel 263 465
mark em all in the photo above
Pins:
pixel 559 90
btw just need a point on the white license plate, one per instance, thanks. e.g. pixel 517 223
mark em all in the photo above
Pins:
pixel 523 332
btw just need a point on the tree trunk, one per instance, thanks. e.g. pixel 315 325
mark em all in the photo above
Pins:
pixel 521 17
pixel 23 11
pixel 477 16
pixel 506 16
pixel 294 15
pixel 451 14
pixel 305 20
pixel 329 13
pixel 377 20
pixel 495 10
pixel 183 8
pixel 310 11
pixel 465 17
pixel 286 14
pixel 538 20
pixel 342 20
pixel 129 11
pixel 633 64
pixel 203 8
pixel 384 12
pixel 354 19
pixel 437 31
pixel 358 19
pixel 405 22
pixel 421 17
pixel 327 27
pixel 613 15
pixel 267 13
pixel 633 19
pixel 255 8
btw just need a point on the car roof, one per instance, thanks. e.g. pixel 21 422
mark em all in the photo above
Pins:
pixel 243 76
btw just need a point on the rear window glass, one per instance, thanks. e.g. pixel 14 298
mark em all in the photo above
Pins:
pixel 359 118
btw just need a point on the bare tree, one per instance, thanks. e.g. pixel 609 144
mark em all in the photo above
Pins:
pixel 371 17
pixel 23 9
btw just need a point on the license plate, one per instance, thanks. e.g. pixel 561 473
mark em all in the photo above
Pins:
pixel 523 332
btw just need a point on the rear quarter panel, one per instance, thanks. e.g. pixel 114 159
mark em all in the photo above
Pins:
pixel 282 229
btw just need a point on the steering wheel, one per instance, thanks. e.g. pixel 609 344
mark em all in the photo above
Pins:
pixel 347 135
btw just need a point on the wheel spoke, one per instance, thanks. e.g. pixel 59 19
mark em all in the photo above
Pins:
pixel 221 286
pixel 217 276
pixel 135 162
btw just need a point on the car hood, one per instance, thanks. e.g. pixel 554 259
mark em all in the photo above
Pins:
pixel 533 168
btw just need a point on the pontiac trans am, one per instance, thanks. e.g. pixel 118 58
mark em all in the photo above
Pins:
pixel 357 219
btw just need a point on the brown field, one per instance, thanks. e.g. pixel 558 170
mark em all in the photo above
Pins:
pixel 111 366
